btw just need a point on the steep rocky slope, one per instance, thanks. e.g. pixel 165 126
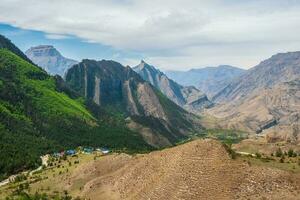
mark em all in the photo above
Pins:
pixel 265 100
pixel 210 80
pixel 188 97
pixel 50 59
pixel 279 68
pixel 201 169
pixel 119 88
pixel 273 111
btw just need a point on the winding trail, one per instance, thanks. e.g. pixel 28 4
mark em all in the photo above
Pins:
pixel 44 158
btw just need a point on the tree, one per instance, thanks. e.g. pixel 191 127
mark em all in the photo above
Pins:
pixel 230 151
pixel 278 153
pixel 258 155
pixel 291 153
pixel 281 160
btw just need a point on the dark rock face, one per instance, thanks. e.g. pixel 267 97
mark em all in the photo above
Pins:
pixel 104 81
pixel 47 57
pixel 188 97
pixel 210 80
pixel 119 88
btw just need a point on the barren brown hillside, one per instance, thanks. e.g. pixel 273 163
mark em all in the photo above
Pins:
pixel 274 112
pixel 201 169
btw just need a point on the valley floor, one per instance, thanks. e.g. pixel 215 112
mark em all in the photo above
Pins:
pixel 200 169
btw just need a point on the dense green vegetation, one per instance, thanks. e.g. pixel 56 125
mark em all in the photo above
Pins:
pixel 177 115
pixel 38 115
pixel 7 44
pixel 226 136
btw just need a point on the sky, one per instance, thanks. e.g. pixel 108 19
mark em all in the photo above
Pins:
pixel 169 34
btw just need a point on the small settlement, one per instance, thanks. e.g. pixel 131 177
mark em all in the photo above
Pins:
pixel 79 150
pixel 69 152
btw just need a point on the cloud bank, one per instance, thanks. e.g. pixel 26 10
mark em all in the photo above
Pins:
pixel 174 34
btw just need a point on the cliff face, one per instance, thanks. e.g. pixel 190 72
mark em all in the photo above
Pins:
pixel 119 88
pixel 188 97
pixel 50 59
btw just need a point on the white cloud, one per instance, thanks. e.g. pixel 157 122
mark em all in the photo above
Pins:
pixel 175 33
pixel 57 36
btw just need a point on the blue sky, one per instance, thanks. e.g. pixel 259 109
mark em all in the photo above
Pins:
pixel 70 46
pixel 169 34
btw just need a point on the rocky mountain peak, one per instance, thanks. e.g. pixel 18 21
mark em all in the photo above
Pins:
pixel 189 98
pixel 50 59
pixel 145 66
pixel 42 50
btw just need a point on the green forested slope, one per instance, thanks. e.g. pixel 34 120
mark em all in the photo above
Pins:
pixel 37 116
pixel 7 44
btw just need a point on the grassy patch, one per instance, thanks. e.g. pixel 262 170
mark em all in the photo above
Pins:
pixel 224 135
pixel 288 164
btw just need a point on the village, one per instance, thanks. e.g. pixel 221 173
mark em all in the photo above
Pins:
pixel 79 150
pixel 48 158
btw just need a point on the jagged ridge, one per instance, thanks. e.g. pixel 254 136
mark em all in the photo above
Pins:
pixel 188 97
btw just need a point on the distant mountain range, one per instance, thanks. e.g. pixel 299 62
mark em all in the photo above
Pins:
pixel 188 97
pixel 279 68
pixel 265 99
pixel 209 80
pixel 50 59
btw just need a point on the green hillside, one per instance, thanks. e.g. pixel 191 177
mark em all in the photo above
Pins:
pixel 7 44
pixel 37 116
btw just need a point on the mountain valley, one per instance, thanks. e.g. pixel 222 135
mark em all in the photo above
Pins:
pixel 155 129
pixel 40 114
